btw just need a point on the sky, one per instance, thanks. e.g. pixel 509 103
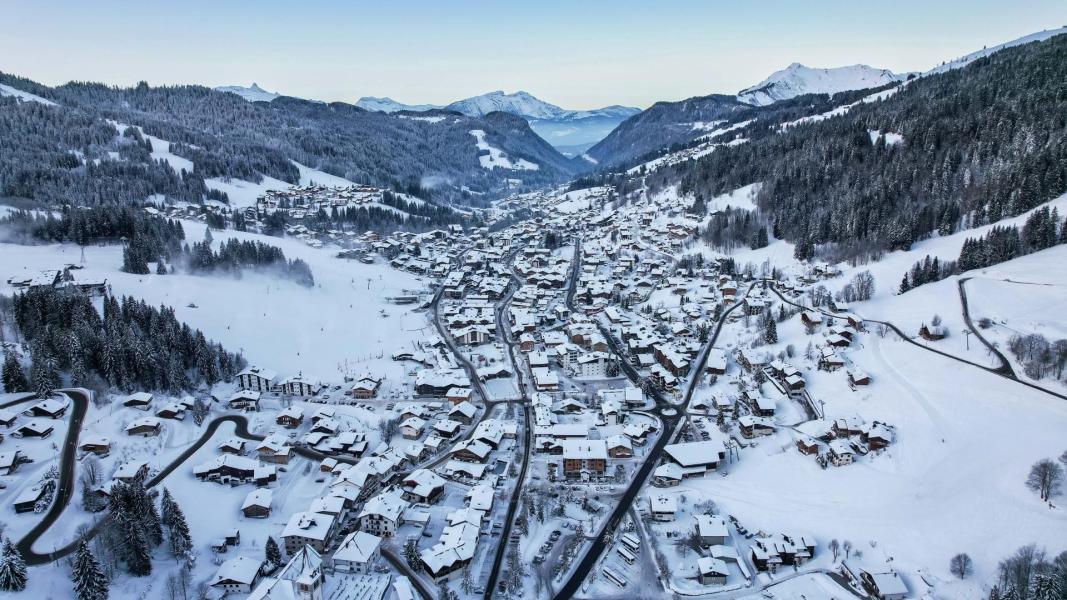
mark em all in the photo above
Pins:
pixel 575 54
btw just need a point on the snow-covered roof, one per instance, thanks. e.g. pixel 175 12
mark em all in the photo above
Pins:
pixel 240 569
pixel 357 547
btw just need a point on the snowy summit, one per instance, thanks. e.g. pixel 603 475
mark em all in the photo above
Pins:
pixel 797 79
pixel 254 93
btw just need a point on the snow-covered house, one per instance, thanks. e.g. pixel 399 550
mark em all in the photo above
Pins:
pixel 237 575
pixel 257 379
pixel 357 553
pixel 381 514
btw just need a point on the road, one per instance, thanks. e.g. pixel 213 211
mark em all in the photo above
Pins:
pixel 670 424
pixel 1007 374
pixel 68 459
pixel 1005 366
pixel 505 534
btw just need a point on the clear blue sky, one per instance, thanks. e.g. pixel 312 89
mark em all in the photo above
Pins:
pixel 575 54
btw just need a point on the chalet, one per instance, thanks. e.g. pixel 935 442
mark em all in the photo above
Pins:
pixel 257 503
pixel 233 470
pixel 234 445
pixel 446 428
pixel 810 318
pixel 458 395
pixel 308 529
pixel 932 333
pixel 430 382
pixel 274 449
pixel 10 461
pixel 545 380
pixel 244 400
pixel 763 406
pixel 755 426
pixel 257 379
pixel 877 436
pixel 712 571
pixel 27 500
pixel 840 453
pixel 7 418
pixel 886 585
pixel 472 451
pixel 807 445
pixel 34 429
pixel 366 387
pixel 290 418
pixel 858 377
pixel 472 335
pixel 138 400
pixel 52 408
pixel 172 410
pixel 237 575
pixel 412 428
pixel 357 553
pixel 381 514
pixel 584 458
pixel 453 552
pixel 423 486
pixel 132 471
pixel 300 579
pixel 716 364
pixel 620 446
pixel 463 413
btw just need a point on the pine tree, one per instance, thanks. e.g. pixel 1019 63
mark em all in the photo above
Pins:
pixel 904 285
pixel 770 334
pixel 89 581
pixel 13 574
pixel 177 528
pixel 138 560
pixel 44 373
pixel 1044 588
pixel 273 555
pixel 14 377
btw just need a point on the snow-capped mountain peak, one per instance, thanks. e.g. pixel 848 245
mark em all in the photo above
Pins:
pixel 388 105
pixel 253 93
pixel 520 103
pixel 798 79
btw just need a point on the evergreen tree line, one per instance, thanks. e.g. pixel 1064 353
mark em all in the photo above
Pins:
pixel 981 143
pixel 1041 230
pixel 132 346
pixel 732 228
pixel 93 225
pixel 60 155
pixel 235 256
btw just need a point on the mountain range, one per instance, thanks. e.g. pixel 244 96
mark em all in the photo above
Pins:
pixel 797 79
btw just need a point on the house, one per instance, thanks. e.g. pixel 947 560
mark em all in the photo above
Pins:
pixel 886 585
pixel 51 408
pixel 290 418
pixel 257 379
pixel 422 485
pixel 146 427
pixel 472 451
pixel 26 501
pixel 7 418
pixel 244 400
pixel 131 471
pixel 696 458
pixel 412 428
pixel 712 530
pixel 172 410
pixel 858 377
pixel 584 458
pixel 663 506
pixel 453 551
pixel 716 364
pixel 96 444
pixel 545 380
pixel 366 387
pixel 840 453
pixel 10 461
pixel 932 333
pixel 463 412
pixel 620 446
pixel 308 529
pixel 810 318
pixel 34 429
pixel 381 514
pixel 755 426
pixel 357 553
pixel 667 475
pixel 237 575
pixel 257 503
pixel 458 395
pixel 300 579
pixel 138 400
pixel 712 571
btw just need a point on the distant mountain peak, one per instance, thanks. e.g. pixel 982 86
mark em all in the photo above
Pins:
pixel 388 105
pixel 798 79
pixel 252 93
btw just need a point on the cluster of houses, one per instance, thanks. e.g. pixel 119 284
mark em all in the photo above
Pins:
pixel 839 441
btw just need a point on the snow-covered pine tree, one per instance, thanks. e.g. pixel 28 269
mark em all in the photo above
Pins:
pixel 770 333
pixel 14 377
pixel 273 555
pixel 13 574
pixel 178 533
pixel 89 581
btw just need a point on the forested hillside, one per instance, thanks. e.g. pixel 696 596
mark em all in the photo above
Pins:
pixel 965 147
pixel 71 152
